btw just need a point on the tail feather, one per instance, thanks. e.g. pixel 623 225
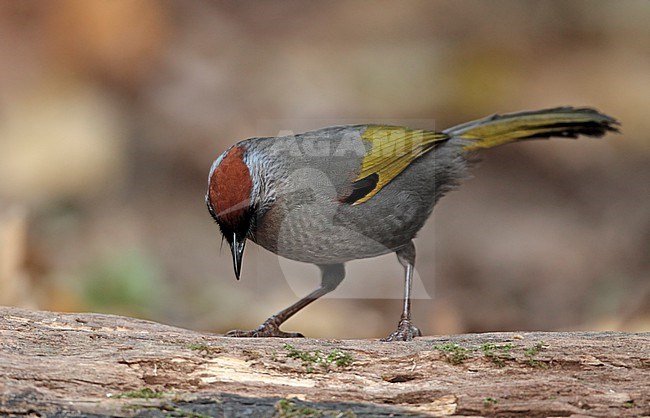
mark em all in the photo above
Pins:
pixel 567 122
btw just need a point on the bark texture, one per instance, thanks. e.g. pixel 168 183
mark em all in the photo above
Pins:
pixel 54 364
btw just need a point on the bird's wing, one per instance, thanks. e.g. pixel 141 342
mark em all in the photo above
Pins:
pixel 393 148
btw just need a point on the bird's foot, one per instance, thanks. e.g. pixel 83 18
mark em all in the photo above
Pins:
pixel 405 332
pixel 267 329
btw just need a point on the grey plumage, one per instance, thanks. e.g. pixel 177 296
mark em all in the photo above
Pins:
pixel 306 222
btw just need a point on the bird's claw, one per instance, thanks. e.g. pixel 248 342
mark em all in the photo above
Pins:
pixel 264 330
pixel 405 332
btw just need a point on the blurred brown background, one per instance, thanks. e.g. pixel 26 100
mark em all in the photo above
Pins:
pixel 111 113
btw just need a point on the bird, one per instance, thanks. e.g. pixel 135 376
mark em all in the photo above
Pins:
pixel 350 192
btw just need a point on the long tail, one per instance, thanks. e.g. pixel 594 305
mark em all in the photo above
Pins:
pixel 568 122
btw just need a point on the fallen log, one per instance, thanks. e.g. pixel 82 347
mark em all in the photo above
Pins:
pixel 85 364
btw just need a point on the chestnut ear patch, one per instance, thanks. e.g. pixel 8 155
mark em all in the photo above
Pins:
pixel 230 188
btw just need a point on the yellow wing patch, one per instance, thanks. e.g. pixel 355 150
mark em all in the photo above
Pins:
pixel 393 149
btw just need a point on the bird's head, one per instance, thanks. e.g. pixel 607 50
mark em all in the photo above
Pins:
pixel 231 200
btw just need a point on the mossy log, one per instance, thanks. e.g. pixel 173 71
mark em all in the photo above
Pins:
pixel 54 364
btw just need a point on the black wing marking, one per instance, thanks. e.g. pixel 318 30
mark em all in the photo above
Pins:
pixel 361 188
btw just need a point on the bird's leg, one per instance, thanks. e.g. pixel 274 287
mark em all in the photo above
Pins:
pixel 405 330
pixel 331 277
